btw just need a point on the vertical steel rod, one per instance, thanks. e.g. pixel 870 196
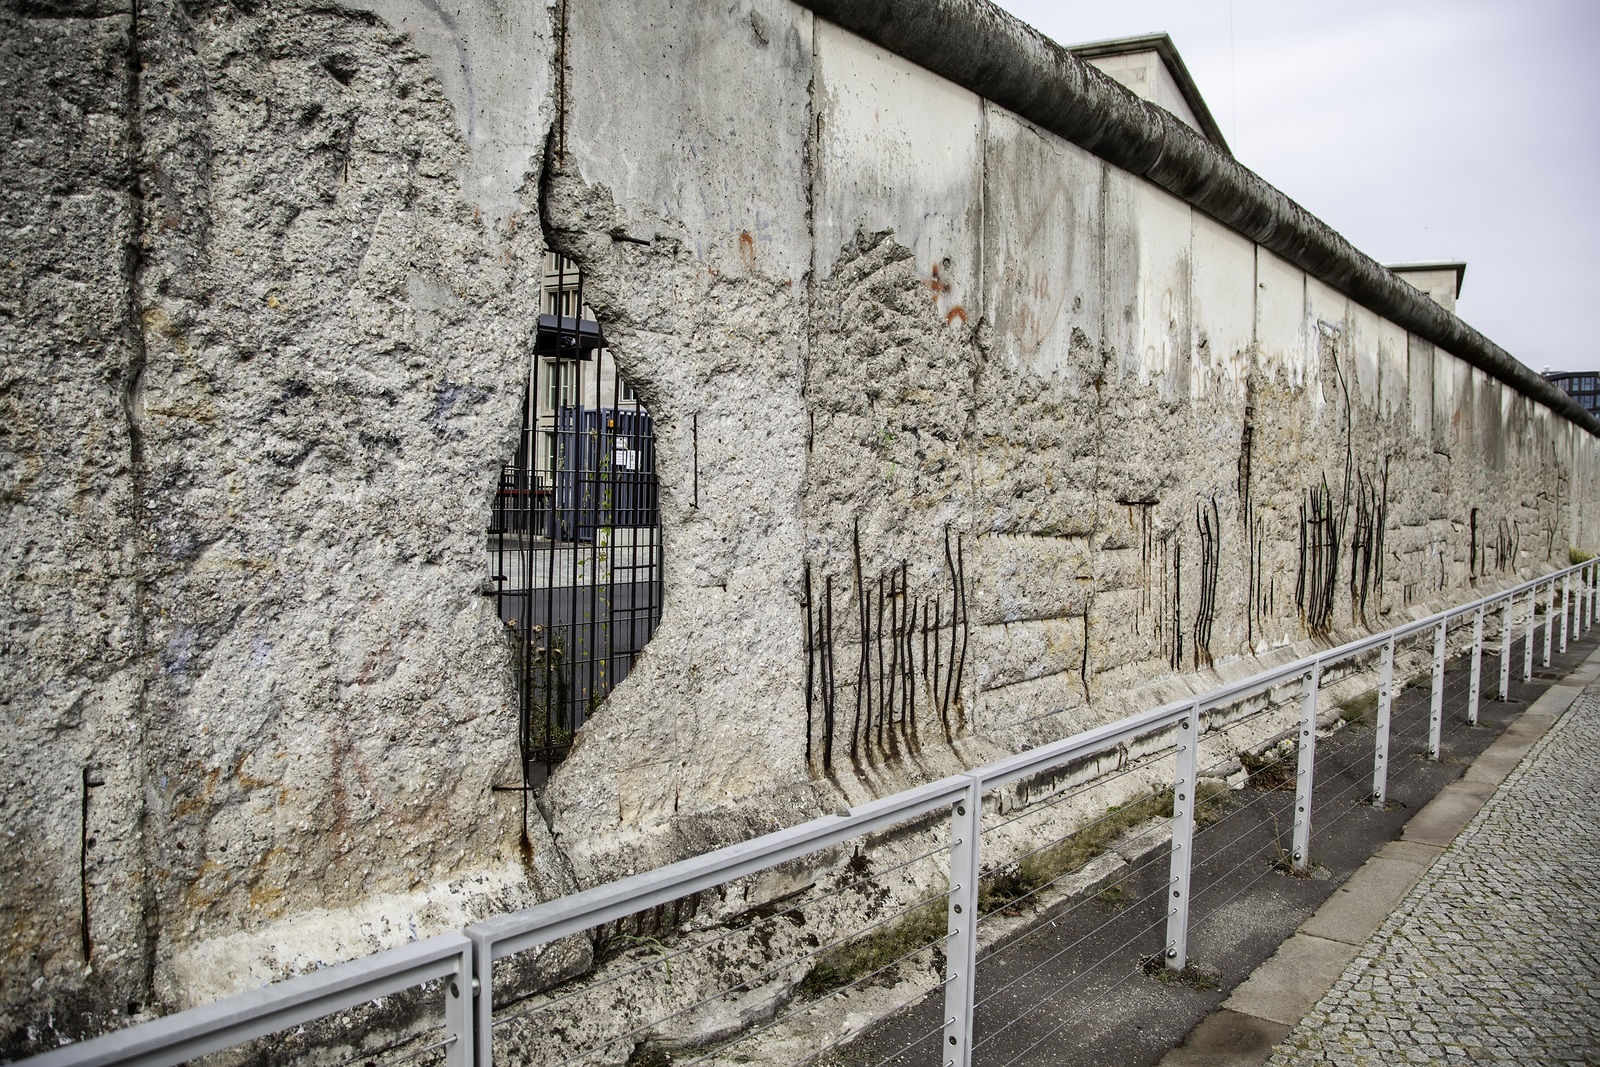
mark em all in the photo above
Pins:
pixel 1380 755
pixel 961 948
pixel 1436 698
pixel 1183 795
pixel 1474 691
pixel 1301 857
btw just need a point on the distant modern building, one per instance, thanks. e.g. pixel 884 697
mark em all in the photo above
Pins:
pixel 1582 385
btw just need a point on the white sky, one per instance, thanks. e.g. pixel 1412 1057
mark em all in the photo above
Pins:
pixel 1419 129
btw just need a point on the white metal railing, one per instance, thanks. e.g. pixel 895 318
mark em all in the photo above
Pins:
pixel 461 966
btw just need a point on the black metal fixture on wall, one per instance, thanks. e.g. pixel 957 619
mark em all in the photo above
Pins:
pixel 575 534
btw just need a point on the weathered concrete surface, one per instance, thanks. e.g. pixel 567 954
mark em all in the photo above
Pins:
pixel 979 46
pixel 257 340
pixel 73 620
pixel 1055 443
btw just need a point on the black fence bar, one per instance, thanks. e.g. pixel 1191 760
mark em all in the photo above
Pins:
pixel 575 533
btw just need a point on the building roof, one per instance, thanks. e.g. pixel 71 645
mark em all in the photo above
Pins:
pixel 1444 264
pixel 1161 44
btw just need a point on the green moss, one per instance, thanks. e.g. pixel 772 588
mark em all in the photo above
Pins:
pixel 1115 896
pixel 1361 710
pixel 1578 555
pixel 1211 801
pixel 844 964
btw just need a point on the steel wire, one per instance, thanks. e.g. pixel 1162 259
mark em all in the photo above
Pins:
pixel 786 1016
pixel 935 1032
pixel 996 953
pixel 1076 1012
pixel 1038 807
pixel 1200 919
pixel 1000 949
pixel 1452 725
pixel 1083 973
pixel 1052 844
pixel 1210 726
pixel 758 979
pixel 408 1057
pixel 1215 853
pixel 667 958
pixel 854 1034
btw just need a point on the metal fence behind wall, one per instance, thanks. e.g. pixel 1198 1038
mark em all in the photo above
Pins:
pixel 575 535
pixel 695 952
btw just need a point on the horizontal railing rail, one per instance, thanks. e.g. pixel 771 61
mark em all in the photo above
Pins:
pixel 295 1001
pixel 464 962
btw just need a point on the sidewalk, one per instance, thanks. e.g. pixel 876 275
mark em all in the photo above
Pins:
pixel 1474 938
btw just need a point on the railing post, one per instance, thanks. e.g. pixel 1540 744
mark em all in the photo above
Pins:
pixel 1184 784
pixel 1586 577
pixel 1583 597
pixel 1577 605
pixel 1473 690
pixel 1588 596
pixel 1566 608
pixel 961 949
pixel 1380 755
pixel 1579 622
pixel 1505 648
pixel 1301 859
pixel 1549 622
pixel 1527 640
pixel 1436 698
pixel 459 1001
pixel 480 998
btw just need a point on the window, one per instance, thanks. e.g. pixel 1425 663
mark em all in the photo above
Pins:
pixel 561 377
pixel 560 286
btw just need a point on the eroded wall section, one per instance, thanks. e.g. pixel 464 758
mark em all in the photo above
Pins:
pixel 1061 444
pixel 267 289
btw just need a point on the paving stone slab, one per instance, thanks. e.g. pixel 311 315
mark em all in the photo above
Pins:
pixel 1359 907
pixel 1284 988
pixel 1448 813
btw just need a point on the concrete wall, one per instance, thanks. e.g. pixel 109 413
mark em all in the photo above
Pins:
pixel 269 278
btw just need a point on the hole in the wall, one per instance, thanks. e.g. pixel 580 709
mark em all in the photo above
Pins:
pixel 575 549
pixel 340 67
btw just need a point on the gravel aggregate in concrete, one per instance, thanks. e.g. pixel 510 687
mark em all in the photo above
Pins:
pixel 1491 958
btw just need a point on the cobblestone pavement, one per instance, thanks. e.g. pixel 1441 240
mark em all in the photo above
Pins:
pixel 1494 956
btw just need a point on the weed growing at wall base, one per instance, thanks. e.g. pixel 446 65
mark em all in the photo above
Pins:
pixel 922 927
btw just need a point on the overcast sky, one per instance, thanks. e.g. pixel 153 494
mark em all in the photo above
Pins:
pixel 1419 129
